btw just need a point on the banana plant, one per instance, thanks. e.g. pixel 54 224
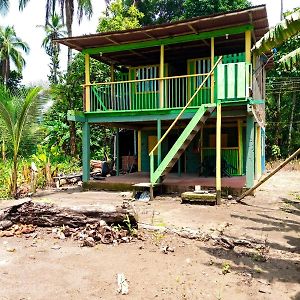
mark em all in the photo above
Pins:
pixel 291 60
pixel 287 28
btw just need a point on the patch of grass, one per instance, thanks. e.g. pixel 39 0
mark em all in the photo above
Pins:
pixel 226 268
pixel 158 236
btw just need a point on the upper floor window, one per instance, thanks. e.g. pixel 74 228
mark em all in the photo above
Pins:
pixel 145 73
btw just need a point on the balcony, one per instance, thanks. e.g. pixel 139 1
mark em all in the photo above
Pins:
pixel 231 84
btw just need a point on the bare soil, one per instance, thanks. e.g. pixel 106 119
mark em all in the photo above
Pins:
pixel 43 267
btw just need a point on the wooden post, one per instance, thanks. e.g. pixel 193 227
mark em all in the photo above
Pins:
pixel 258 152
pixel 87 81
pixel 240 144
pixel 112 73
pixel 135 143
pixel 212 77
pixel 158 138
pixel 117 153
pixel 161 75
pixel 85 152
pixel 112 90
pixel 250 151
pixel 218 153
pixel 248 46
pixel 139 150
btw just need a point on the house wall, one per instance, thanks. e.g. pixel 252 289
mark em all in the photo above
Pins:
pixel 201 151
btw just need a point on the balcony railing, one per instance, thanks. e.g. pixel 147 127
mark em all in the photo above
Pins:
pixel 232 83
pixel 168 92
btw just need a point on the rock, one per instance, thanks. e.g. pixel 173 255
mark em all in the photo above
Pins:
pixel 89 242
pixel 5 224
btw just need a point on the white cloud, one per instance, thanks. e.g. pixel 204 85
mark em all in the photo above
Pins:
pixel 25 23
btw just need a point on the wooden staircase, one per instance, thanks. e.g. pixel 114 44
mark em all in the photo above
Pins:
pixel 190 131
pixel 201 115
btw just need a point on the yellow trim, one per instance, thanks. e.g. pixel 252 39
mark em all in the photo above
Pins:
pixel 87 82
pixel 212 78
pixel 223 148
pixel 139 151
pixel 161 76
pixel 240 143
pixel 248 46
pixel 186 106
pixel 258 152
pixel 198 58
pixel 218 148
pixel 150 79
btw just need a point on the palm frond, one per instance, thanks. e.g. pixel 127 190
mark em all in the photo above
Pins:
pixel 291 60
pixel 276 36
pixel 4 6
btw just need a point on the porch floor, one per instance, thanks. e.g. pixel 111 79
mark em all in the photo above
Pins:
pixel 172 183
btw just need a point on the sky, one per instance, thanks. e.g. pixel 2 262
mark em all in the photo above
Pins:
pixel 25 23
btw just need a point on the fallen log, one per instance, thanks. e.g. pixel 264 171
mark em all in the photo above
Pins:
pixel 50 215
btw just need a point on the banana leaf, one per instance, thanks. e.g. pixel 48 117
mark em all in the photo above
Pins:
pixel 276 36
pixel 291 60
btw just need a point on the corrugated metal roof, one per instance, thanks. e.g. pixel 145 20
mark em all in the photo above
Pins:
pixel 256 16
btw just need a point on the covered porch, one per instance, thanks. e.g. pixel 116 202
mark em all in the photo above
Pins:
pixel 172 184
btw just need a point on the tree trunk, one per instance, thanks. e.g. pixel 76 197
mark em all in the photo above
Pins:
pixel 72 138
pixel 278 118
pixel 14 177
pixel 48 215
pixel 69 11
pixel 291 121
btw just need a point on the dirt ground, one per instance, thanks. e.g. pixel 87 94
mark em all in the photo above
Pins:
pixel 48 268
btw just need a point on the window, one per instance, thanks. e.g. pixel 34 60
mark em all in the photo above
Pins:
pixel 144 73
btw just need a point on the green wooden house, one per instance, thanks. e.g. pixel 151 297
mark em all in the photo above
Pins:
pixel 191 91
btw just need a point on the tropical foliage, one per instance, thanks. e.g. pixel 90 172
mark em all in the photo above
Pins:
pixel 118 16
pixel 11 48
pixel 18 112
pixel 53 30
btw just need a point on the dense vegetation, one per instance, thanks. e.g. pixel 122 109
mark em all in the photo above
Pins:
pixel 50 141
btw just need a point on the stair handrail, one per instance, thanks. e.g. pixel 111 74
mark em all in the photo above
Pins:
pixel 186 106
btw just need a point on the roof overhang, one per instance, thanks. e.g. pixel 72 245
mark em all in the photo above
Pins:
pixel 187 36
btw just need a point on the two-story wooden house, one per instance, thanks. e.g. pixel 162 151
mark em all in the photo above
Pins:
pixel 191 90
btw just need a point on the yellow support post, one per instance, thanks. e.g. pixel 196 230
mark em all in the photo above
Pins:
pixel 248 46
pixel 139 151
pixel 212 77
pixel 258 152
pixel 240 144
pixel 87 82
pixel 161 75
pixel 218 153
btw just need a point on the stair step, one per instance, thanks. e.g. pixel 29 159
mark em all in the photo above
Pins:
pixel 185 138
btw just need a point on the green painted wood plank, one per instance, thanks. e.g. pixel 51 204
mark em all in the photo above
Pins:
pixel 169 40
pixel 231 80
pixel 176 147
pixel 250 152
pixel 221 81
pixel 241 80
pixel 86 152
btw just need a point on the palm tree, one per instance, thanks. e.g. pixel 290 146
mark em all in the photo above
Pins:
pixel 10 51
pixel 17 112
pixel 4 6
pixel 67 8
pixel 54 30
